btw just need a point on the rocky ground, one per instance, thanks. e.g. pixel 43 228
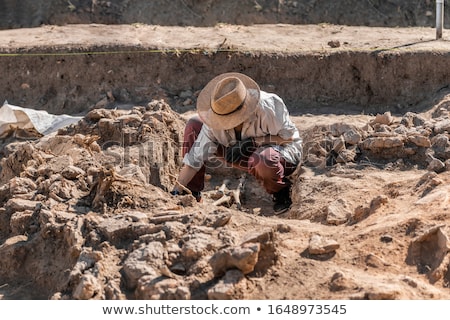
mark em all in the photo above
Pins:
pixel 85 212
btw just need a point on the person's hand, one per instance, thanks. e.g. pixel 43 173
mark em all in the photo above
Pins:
pixel 241 149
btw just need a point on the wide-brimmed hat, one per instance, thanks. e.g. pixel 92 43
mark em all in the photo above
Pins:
pixel 228 100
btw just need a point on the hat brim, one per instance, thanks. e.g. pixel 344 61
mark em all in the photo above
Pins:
pixel 225 122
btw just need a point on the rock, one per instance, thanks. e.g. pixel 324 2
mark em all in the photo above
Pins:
pixel 149 288
pixel 196 246
pixel 428 252
pixel 20 221
pixel 338 212
pixel 440 142
pixel 114 229
pixel 319 245
pixel 376 143
pixel 174 229
pixel 386 238
pixel 384 293
pixel 18 185
pixel 346 155
pixel 146 260
pixel 21 205
pixel 220 218
pixel 377 202
pixel 88 288
pixel 352 137
pixel 436 165
pixel 338 129
pixel 420 141
pixel 338 144
pixel 72 172
pixel 243 258
pixel 113 292
pixel 385 118
pixel 263 237
pixel 230 287
pixel 334 44
pixel 411 119
pixel 314 161
pixel 374 261
pixel 442 126
pixel 360 213
pixel 340 282
pixel 268 254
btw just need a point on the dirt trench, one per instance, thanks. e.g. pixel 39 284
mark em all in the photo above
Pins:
pixel 368 82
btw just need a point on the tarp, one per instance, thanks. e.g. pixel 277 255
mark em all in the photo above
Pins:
pixel 13 118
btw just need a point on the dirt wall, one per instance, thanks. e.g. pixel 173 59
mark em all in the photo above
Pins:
pixel 358 81
pixel 403 13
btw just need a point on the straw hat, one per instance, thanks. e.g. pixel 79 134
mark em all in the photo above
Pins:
pixel 228 100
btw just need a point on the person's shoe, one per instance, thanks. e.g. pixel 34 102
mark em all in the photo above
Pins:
pixel 197 195
pixel 282 201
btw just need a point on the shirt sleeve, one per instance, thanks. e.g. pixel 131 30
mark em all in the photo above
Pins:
pixel 278 119
pixel 204 147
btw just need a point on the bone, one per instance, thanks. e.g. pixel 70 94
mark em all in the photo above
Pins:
pixel 238 191
pixel 228 196
pixel 224 200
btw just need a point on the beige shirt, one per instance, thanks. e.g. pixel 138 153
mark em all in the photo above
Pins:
pixel 270 118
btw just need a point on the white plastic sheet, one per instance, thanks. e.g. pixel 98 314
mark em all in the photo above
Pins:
pixel 13 118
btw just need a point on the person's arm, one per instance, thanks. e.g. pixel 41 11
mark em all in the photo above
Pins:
pixel 276 122
pixel 184 177
pixel 204 146
pixel 271 139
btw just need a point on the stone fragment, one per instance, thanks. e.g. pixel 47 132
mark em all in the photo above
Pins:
pixel 442 126
pixel 88 288
pixel 72 172
pixel 20 221
pixel 146 260
pixel 338 129
pixel 436 165
pixel 197 246
pixel 339 282
pixel 334 43
pixel 386 238
pixel 352 137
pixel 243 258
pixel 384 293
pixel 113 291
pixel 385 118
pixel 230 287
pixel 150 288
pixel 320 245
pixel 19 185
pixel 16 204
pixel 411 119
pixel 374 143
pixel 420 141
pixel 338 212
pixel 428 252
pixel 338 144
pixel 346 155
pixel 374 261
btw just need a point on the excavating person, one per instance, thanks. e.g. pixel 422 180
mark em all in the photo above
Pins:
pixel 246 127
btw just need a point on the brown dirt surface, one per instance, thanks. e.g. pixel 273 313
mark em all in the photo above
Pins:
pixel 85 212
